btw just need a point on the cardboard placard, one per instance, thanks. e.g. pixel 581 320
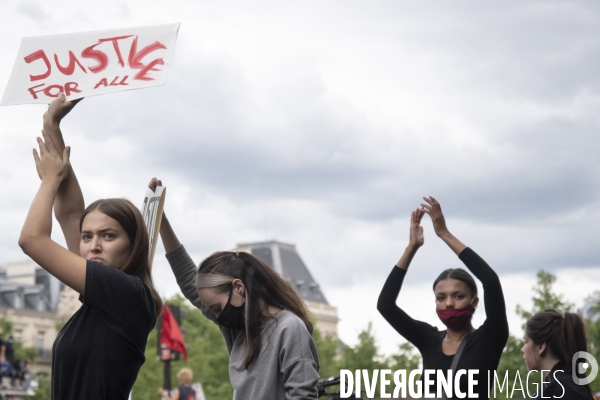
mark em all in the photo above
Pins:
pixel 90 63
pixel 152 211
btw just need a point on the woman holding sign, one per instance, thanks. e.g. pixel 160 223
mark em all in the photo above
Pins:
pixel 455 299
pixel 264 321
pixel 100 350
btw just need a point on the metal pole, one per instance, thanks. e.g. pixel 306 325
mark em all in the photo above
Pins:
pixel 167 383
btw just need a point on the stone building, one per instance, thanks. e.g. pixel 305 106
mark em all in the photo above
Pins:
pixel 284 258
pixel 37 305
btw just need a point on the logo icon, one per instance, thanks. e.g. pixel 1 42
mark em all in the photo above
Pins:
pixel 583 367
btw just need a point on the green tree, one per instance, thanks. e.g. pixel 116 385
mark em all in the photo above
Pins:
pixel 43 392
pixel 365 355
pixel 208 358
pixel 593 333
pixel 6 328
pixel 328 349
pixel 544 298
pixel 407 358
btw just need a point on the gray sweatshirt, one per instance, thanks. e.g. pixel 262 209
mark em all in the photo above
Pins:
pixel 286 368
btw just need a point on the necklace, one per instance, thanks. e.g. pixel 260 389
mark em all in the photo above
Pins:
pixel 456 341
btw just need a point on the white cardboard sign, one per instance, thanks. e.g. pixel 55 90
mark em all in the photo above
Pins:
pixel 152 211
pixel 90 63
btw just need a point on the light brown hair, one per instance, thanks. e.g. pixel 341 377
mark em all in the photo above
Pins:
pixel 261 282
pixel 130 218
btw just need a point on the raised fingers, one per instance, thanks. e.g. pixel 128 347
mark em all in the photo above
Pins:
pixel 420 214
pixel 42 146
pixel 36 157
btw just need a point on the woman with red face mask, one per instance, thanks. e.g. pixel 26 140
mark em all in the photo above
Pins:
pixel 456 299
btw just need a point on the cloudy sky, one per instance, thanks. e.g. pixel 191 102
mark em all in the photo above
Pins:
pixel 323 123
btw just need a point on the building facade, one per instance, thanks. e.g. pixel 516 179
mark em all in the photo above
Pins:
pixel 37 305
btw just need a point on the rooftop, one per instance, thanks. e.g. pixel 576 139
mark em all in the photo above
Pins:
pixel 284 258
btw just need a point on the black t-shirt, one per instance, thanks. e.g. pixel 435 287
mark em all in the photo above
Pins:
pixel 98 353
pixel 484 345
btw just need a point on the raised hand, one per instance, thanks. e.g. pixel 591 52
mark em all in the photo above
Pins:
pixel 49 163
pixel 434 210
pixel 154 182
pixel 58 109
pixel 416 230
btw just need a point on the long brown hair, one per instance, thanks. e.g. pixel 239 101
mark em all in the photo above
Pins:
pixel 563 334
pixel 130 218
pixel 261 283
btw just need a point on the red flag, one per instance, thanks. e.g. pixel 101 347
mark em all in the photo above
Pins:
pixel 171 335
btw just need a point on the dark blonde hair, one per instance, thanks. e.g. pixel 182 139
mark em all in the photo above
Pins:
pixel 130 218
pixel 261 283
pixel 185 376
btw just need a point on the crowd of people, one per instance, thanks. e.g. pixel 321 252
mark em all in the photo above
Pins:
pixel 16 370
pixel 264 322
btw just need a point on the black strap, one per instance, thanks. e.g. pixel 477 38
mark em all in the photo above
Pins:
pixel 459 352
pixel 457 356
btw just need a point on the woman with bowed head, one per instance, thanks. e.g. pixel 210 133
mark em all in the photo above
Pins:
pixel 99 351
pixel 551 341
pixel 456 298
pixel 263 320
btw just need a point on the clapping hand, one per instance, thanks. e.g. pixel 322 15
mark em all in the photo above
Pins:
pixel 49 163
pixel 416 230
pixel 434 210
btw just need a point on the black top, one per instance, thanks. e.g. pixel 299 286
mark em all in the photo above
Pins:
pixel 484 345
pixel 560 384
pixel 98 353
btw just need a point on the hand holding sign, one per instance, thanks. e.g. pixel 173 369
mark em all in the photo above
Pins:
pixel 90 63
pixel 59 108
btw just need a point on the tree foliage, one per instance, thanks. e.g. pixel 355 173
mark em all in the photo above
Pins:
pixel 593 332
pixel 544 298
pixel 209 360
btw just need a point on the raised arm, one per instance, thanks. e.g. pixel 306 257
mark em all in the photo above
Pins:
pixel 495 307
pixel 35 236
pixel 181 263
pixel 412 330
pixel 69 204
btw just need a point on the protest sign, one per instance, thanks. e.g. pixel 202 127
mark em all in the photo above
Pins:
pixel 90 63
pixel 152 211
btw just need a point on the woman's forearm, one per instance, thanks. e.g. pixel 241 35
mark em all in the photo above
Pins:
pixel 456 245
pixel 69 198
pixel 69 203
pixel 407 257
pixel 167 234
pixel 38 223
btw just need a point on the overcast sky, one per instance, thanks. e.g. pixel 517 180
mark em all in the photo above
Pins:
pixel 323 123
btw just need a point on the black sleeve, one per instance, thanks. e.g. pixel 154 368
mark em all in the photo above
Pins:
pixel 118 296
pixel 495 309
pixel 412 330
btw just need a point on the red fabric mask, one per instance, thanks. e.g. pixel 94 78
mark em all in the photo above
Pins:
pixel 456 318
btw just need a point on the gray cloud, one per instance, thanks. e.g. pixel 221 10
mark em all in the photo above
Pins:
pixel 504 133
